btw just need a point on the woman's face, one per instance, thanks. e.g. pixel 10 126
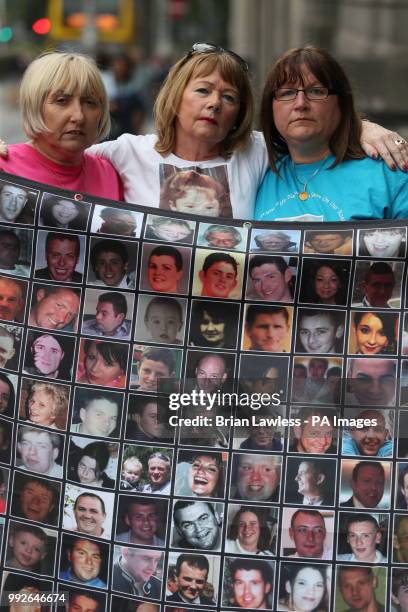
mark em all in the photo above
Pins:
pixel 306 122
pixel 370 335
pixel 4 395
pixel 212 332
pixel 204 475
pixel 64 212
pixel 249 529
pixel 98 371
pixel 383 242
pixel 308 590
pixel 87 470
pixel 73 124
pixel 326 285
pixel 41 408
pixel 208 110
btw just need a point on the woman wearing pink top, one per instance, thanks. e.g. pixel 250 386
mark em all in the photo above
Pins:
pixel 64 110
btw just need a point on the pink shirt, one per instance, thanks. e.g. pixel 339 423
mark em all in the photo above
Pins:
pixel 95 175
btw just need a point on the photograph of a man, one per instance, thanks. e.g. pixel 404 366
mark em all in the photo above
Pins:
pixel 270 278
pixel 144 517
pixel 369 482
pixel 11 242
pixel 197 525
pixel 256 477
pixel 399 589
pixel 84 561
pixel 252 584
pixel 12 299
pixel 267 328
pixel 134 572
pixel 38 451
pixel 378 286
pixel 54 307
pixel 361 533
pixel 311 482
pixel 110 315
pixel 400 539
pixel 371 381
pixel 158 473
pixel 62 254
pixel 308 533
pixel 191 573
pixel 12 202
pixel 218 274
pixel 357 586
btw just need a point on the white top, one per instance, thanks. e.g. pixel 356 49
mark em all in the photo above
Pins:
pixel 138 164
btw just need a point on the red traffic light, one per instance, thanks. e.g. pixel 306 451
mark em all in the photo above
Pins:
pixel 41 26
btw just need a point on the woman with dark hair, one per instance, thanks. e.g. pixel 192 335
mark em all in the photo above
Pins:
pixel 200 474
pixel 375 332
pixel 203 119
pixel 7 396
pixel 63 213
pixel 303 588
pixel 104 364
pixel 319 170
pixel 383 242
pixel 325 282
pixel 249 533
pixel 91 463
pixel 212 326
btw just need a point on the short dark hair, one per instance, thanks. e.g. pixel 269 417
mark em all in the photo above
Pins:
pixel 159 354
pixel 181 504
pixel 118 301
pixel 62 237
pixel 164 301
pixel 360 568
pixel 198 561
pixel 214 258
pixel 289 67
pixel 94 496
pixel 249 565
pixel 254 310
pixel 111 352
pixel 362 464
pixel 361 517
pixel 98 451
pixel 304 511
pixel 378 267
pixel 168 251
pixel 259 260
pixel 107 246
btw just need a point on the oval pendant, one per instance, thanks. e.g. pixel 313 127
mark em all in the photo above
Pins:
pixel 303 195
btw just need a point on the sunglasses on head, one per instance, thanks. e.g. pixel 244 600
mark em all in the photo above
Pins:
pixel 198 48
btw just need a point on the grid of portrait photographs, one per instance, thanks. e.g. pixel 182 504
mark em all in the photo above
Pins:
pixel 116 494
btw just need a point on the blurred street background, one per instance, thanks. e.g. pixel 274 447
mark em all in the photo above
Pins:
pixel 135 41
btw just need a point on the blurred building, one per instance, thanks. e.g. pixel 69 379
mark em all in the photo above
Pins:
pixel 367 36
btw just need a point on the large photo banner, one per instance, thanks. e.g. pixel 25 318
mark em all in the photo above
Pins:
pixel 199 412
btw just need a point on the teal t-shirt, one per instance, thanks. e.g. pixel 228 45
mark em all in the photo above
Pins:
pixel 355 189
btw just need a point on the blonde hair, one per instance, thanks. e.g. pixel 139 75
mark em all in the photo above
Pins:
pixel 51 72
pixel 169 99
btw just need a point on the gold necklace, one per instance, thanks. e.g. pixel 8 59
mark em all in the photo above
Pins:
pixel 303 195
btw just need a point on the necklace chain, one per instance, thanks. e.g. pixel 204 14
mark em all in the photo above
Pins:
pixel 304 195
